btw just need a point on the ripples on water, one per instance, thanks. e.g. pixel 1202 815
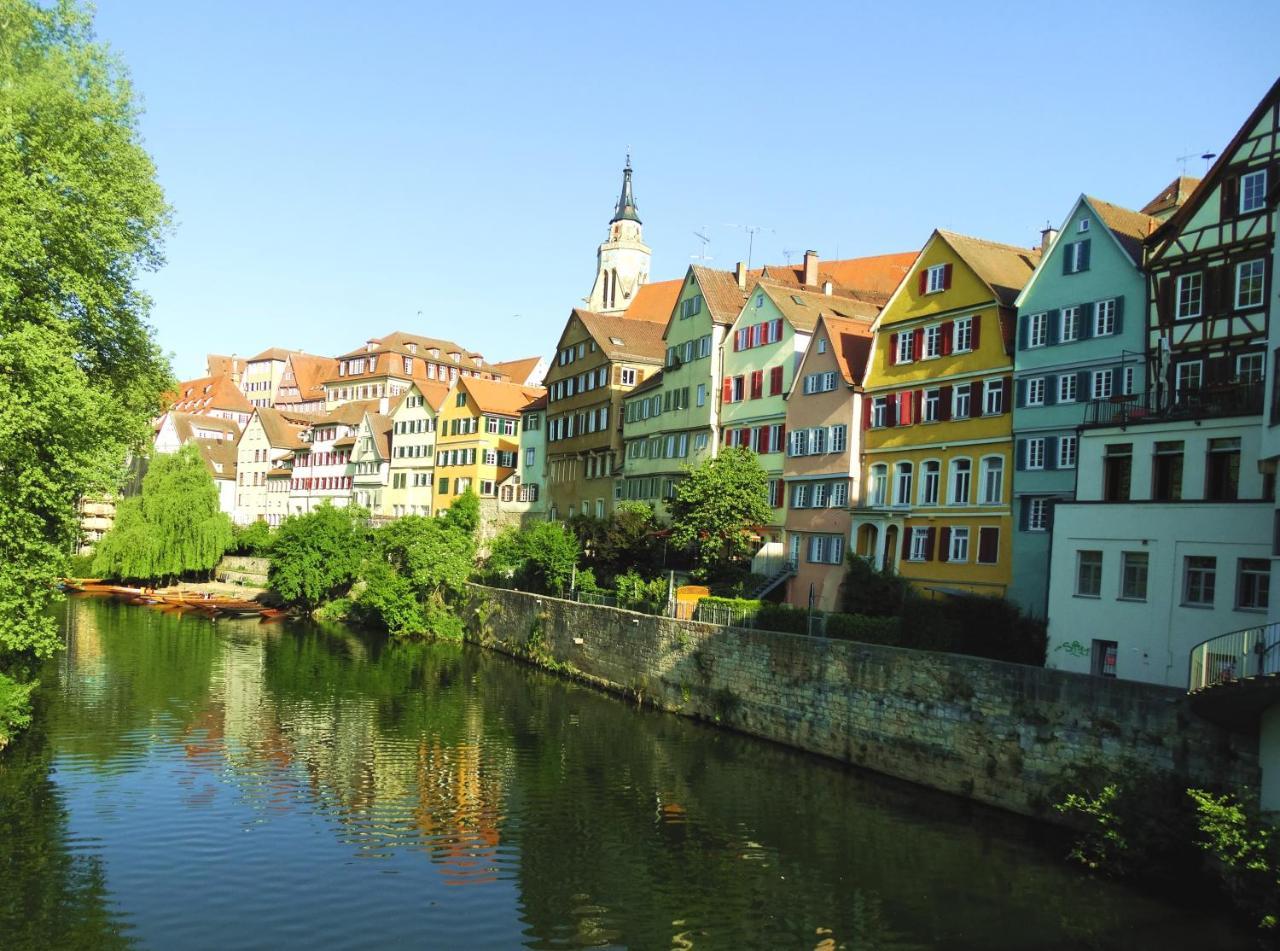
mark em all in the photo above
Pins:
pixel 277 786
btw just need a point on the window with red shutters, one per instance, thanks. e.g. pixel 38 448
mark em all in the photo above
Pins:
pixel 988 546
pixel 775 381
pixel 917 402
pixel 930 537
pixel 777 329
pixel 904 409
pixel 757 384
pixel 946 277
pixel 762 439
pixel 944 403
pixel 948 331
pixel 893 349
pixel 976 335
pixel 923 282
pixel 944 544
pixel 866 412
pixel 917 343
pixel 726 395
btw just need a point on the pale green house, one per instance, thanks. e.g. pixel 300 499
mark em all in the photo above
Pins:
pixel 762 352
pixel 1081 336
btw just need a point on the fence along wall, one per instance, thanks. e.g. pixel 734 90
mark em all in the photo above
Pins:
pixel 998 733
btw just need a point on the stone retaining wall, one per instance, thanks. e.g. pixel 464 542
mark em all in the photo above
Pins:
pixel 999 733
pixel 242 569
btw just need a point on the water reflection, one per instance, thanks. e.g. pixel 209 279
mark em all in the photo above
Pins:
pixel 271 785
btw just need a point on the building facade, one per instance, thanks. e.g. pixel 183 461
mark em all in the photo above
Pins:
pixel 823 466
pixel 265 447
pixel 1081 335
pixel 599 358
pixel 371 465
pixel 413 457
pixel 531 474
pixel 322 470
pixel 937 421
pixel 1167 543
pixel 386 366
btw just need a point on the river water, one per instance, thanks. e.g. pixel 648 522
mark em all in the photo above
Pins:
pixel 239 785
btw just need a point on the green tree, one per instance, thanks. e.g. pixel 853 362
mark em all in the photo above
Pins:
pixel 318 556
pixel 718 506
pixel 539 558
pixel 80 375
pixel 464 513
pixel 253 539
pixel 174 528
pixel 421 565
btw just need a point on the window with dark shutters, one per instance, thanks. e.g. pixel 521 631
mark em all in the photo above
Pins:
pixel 988 545
pixel 917 343
pixel 893 349
pixel 946 277
pixel 906 544
pixel 922 280
pixel 944 403
pixel 775 381
pixel 944 544
pixel 930 537
pixel 948 332
pixel 975 338
pixel 1230 197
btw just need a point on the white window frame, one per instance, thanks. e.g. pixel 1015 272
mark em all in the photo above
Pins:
pixel 992 474
pixel 962 335
pixel 1104 317
pixel 1181 373
pixel 959 544
pixel 962 393
pixel 930 405
pixel 1245 367
pixel 1187 281
pixel 1100 385
pixel 903 482
pixel 930 479
pixel 1034 453
pixel 1082 226
pixel 955 472
pixel 879 412
pixel 1247 181
pixel 627 377
pixel 878 477
pixel 1069 325
pixel 935 278
pixel 919 547
pixel 1260 286
pixel 1037 330
pixel 933 341
pixel 1068 449
pixel 1037 515
pixel 906 346
pixel 1036 391
pixel 993 397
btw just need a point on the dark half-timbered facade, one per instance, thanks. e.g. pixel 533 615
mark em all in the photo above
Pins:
pixel 1209 275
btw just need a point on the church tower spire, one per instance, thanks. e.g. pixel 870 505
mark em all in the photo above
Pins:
pixel 622 261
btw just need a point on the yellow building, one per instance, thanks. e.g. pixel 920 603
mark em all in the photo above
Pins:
pixel 413 455
pixel 937 420
pixel 478 438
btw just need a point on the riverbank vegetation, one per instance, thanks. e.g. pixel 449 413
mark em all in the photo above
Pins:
pixel 1156 829
pixel 173 529
pixel 80 375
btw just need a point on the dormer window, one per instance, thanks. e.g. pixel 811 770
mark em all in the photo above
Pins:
pixel 1082 225
pixel 936 279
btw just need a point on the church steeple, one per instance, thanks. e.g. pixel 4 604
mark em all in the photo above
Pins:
pixel 626 209
pixel 622 261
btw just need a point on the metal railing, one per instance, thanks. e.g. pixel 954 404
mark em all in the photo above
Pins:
pixel 1237 655
pixel 1209 402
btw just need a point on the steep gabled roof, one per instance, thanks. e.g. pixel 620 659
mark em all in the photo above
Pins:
pixel 273 353
pixel 284 429
pixel 186 424
pixel 851 346
pixel 517 371
pixel 1131 228
pixel 505 399
pixel 217 364
pixel 209 392
pixel 1172 197
pixel 1004 268
pixel 802 307
pixel 309 374
pixel 871 278
pixel 721 293
pixel 654 302
pixel 618 338
pixel 1175 222
pixel 350 414
pixel 540 403
pixel 379 427
pixel 219 457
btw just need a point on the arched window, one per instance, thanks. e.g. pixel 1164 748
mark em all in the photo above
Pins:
pixel 879 488
pixel 604 297
pixel 902 483
pixel 613 287
pixel 992 480
pixel 930 477
pixel 961 481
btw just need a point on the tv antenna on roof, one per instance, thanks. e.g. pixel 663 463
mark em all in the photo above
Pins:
pixel 1207 156
pixel 752 231
pixel 702 255
pixel 787 252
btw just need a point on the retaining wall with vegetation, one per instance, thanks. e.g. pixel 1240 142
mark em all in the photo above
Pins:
pixel 240 569
pixel 999 733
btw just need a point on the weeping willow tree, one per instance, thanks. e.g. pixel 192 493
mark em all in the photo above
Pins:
pixel 174 528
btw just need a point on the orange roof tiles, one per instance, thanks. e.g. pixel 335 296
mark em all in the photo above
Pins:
pixel 621 338
pixel 850 344
pixel 506 399
pixel 517 370
pixel 209 392
pixel 1130 227
pixel 654 302
pixel 1172 197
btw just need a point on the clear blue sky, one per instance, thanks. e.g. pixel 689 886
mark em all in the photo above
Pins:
pixel 337 168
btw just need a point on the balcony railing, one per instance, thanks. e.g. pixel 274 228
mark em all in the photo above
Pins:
pixel 1236 656
pixel 1228 399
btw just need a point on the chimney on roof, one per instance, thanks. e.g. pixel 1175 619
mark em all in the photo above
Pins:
pixel 1047 235
pixel 740 272
pixel 811 268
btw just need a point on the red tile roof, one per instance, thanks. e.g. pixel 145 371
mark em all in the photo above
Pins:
pixel 654 302
pixel 208 393
pixel 517 371
pixel 850 344
pixel 505 399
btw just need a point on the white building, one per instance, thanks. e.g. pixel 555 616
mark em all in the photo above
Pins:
pixel 265 450
pixel 215 437
pixel 322 469
pixel 371 463
pixel 1167 544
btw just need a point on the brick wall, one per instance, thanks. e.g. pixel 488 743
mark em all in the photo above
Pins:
pixel 998 733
